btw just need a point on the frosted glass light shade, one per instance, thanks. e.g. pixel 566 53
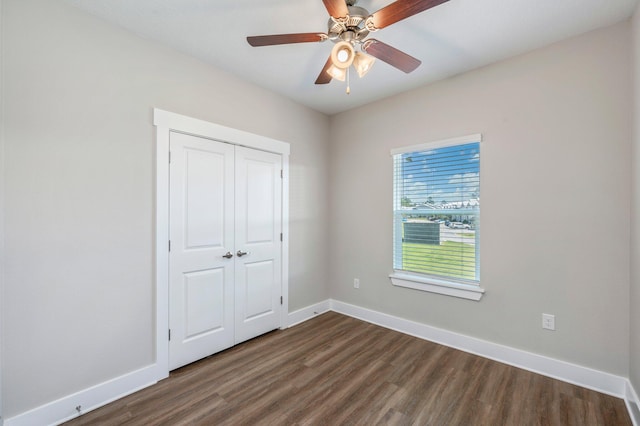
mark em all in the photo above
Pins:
pixel 337 73
pixel 342 55
pixel 363 63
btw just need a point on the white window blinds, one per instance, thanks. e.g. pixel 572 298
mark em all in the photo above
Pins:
pixel 437 210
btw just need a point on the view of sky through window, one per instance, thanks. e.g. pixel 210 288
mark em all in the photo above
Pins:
pixel 441 176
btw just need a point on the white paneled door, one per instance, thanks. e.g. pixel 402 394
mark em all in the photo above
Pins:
pixel 225 256
pixel 258 273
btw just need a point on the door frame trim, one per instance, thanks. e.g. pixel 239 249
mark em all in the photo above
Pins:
pixel 165 123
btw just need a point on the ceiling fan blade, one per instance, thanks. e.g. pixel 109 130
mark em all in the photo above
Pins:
pixel 324 76
pixel 336 8
pixel 391 55
pixel 270 40
pixel 401 9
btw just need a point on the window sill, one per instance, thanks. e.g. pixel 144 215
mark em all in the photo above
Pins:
pixel 434 285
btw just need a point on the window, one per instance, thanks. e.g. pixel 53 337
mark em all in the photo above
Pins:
pixel 436 214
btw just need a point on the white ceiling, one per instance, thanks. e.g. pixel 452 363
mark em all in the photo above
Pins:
pixel 449 39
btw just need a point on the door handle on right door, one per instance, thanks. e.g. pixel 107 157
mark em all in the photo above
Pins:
pixel 229 255
pixel 241 253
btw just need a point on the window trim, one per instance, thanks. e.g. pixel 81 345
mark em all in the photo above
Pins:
pixel 438 144
pixel 416 281
pixel 435 285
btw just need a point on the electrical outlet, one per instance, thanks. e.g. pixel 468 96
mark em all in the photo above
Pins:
pixel 548 322
pixel 356 283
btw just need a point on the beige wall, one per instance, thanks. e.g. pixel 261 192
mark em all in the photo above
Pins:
pixel 634 355
pixel 555 199
pixel 79 181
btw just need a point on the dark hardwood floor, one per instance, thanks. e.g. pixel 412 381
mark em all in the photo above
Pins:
pixel 335 370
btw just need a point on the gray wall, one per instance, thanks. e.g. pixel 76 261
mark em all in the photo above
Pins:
pixel 555 199
pixel 79 179
pixel 634 334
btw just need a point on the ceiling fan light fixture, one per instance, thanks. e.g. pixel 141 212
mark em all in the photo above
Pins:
pixel 337 73
pixel 349 26
pixel 363 63
pixel 342 55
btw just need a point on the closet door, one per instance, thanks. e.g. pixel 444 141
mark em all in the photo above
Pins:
pixel 201 266
pixel 258 268
pixel 225 266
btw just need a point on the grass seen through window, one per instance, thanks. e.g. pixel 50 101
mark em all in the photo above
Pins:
pixel 449 259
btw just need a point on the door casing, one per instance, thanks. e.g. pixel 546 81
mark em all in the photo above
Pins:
pixel 165 123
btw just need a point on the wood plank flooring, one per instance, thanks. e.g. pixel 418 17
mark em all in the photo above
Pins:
pixel 336 370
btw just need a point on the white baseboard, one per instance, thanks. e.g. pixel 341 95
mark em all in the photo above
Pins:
pixel 64 409
pixel 633 403
pixel 304 314
pixel 582 376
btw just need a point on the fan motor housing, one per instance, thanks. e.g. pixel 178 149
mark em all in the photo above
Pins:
pixel 352 28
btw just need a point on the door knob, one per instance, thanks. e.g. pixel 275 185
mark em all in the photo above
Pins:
pixel 229 255
pixel 241 253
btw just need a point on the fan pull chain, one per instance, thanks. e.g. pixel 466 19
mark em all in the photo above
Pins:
pixel 348 88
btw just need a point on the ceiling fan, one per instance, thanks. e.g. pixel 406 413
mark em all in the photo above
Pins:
pixel 349 26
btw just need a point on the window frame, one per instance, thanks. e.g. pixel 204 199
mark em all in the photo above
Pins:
pixel 435 284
